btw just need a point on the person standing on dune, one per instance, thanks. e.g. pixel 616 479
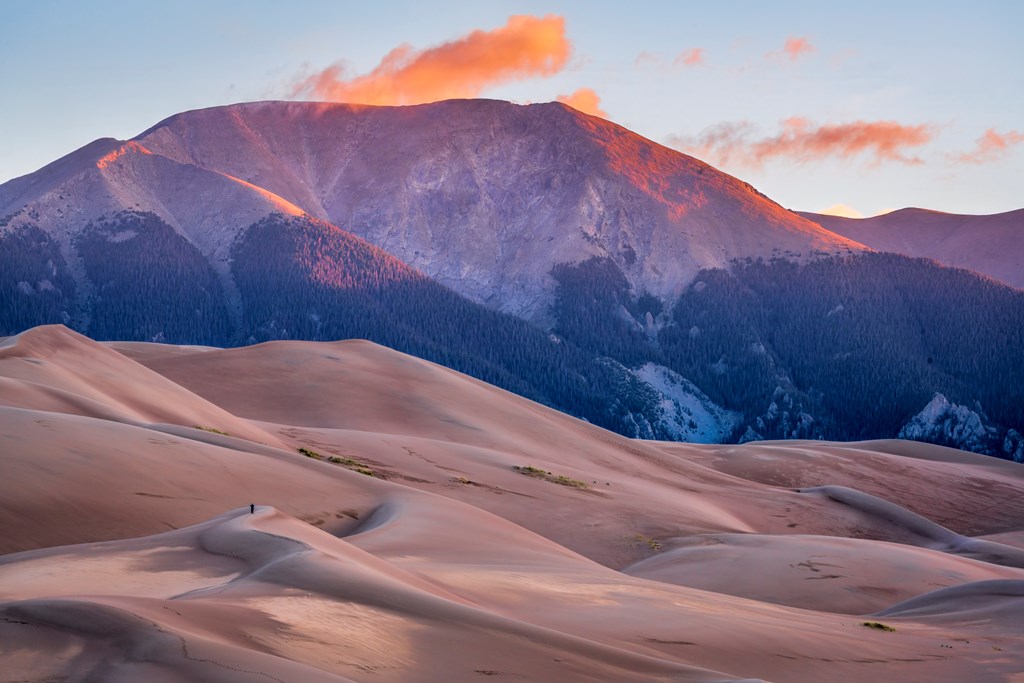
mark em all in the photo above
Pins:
pixel 252 508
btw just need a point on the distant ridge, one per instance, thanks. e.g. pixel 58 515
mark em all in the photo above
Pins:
pixel 992 245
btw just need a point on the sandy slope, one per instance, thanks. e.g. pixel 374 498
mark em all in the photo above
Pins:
pixel 132 555
pixel 54 369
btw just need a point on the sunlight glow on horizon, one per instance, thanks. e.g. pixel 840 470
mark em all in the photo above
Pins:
pixel 842 210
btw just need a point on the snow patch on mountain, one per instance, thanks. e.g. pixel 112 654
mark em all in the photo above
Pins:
pixel 950 424
pixel 687 413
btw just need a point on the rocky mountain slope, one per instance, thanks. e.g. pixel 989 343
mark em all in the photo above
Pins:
pixel 486 197
pixel 992 245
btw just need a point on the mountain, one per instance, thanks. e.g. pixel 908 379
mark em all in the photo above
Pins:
pixel 485 197
pixel 550 253
pixel 992 245
pixel 847 348
pixel 413 524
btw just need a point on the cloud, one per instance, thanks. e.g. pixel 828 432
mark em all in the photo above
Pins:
pixel 844 210
pixel 990 146
pixel 645 58
pixel 737 143
pixel 586 101
pixel 793 49
pixel 694 56
pixel 525 47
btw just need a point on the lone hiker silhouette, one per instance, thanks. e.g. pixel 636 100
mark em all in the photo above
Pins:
pixel 252 508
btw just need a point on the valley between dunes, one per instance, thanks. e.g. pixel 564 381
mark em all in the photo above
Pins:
pixel 405 545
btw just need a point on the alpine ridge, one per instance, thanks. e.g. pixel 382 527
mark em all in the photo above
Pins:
pixel 992 245
pixel 484 196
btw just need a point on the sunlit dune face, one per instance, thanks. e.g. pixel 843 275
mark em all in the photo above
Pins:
pixel 524 47
pixel 126 148
pixel 373 637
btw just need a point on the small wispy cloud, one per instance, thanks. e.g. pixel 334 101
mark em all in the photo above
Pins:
pixel 793 49
pixel 693 56
pixel 990 147
pixel 740 144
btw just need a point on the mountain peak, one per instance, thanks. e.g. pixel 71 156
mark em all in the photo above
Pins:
pixel 533 185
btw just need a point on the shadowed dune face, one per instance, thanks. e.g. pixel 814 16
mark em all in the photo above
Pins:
pixel 404 545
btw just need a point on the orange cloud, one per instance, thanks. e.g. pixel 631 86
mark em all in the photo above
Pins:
pixel 794 49
pixel 990 146
pixel 691 57
pixel 801 141
pixel 586 101
pixel 524 47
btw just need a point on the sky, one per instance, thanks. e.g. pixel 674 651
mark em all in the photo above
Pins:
pixel 855 107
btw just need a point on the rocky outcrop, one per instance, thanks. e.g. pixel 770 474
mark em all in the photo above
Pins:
pixel 960 426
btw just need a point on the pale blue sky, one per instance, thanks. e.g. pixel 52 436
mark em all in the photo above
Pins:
pixel 75 71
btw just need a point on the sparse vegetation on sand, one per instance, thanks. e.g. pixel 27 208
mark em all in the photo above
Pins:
pixel 350 463
pixel 212 430
pixel 879 626
pixel 653 543
pixel 561 479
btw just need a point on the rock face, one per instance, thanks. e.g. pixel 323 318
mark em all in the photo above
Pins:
pixel 483 196
pixel 961 427
pixel 992 245
pixel 687 414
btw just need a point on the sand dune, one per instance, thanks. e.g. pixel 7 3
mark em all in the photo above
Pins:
pixel 969 493
pixel 841 575
pixel 982 602
pixel 421 554
pixel 55 369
